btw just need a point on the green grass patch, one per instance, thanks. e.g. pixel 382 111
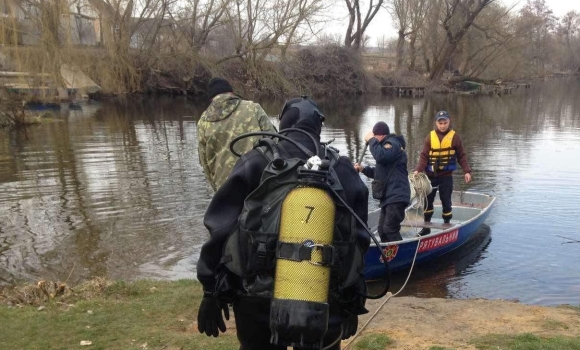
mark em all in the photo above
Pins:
pixel 373 342
pixel 553 325
pixel 525 342
pixel 570 307
pixel 121 316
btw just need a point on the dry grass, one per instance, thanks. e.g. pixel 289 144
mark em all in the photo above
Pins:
pixel 11 110
pixel 46 291
pixel 403 78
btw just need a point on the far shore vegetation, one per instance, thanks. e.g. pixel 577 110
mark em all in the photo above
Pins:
pixel 148 314
pixel 279 47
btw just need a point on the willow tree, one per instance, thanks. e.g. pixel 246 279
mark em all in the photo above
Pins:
pixel 129 32
pixel 38 25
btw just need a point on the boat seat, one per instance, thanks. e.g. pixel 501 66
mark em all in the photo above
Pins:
pixel 420 223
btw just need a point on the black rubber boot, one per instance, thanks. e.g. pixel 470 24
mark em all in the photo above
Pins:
pixel 427 218
pixel 447 218
pixel 424 231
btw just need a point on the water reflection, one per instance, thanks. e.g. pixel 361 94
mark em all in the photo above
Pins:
pixel 116 189
pixel 103 194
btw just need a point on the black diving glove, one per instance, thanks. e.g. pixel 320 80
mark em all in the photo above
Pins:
pixel 209 317
pixel 349 326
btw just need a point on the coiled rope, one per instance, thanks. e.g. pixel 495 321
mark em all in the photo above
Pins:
pixel 420 189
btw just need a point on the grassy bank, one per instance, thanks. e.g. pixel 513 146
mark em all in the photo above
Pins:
pixel 162 315
pixel 143 314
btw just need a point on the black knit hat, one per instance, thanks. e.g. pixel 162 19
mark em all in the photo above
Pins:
pixel 381 128
pixel 218 86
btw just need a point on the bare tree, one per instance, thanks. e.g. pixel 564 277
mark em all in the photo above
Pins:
pixel 431 34
pixel 490 38
pixel 259 26
pixel 539 19
pixel 458 17
pixel 130 32
pixel 127 22
pixel 382 42
pixel 326 39
pixel 197 19
pixel 356 24
pixel 308 11
pixel 569 28
pixel 408 17
pixel 400 11
pixel 419 10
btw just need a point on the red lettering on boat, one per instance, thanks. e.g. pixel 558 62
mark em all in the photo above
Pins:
pixel 439 241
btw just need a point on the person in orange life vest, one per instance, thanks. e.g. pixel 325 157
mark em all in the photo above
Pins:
pixel 442 151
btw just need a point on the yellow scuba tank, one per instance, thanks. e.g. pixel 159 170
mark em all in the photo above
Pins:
pixel 299 310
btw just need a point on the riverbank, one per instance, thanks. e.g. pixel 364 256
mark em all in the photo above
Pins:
pixel 417 323
pixel 162 315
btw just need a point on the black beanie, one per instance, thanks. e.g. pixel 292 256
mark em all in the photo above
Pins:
pixel 381 128
pixel 218 86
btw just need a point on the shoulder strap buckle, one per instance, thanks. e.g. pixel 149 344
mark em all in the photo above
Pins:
pixel 316 254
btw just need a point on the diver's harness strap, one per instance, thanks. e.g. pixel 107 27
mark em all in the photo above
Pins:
pixel 261 253
pixel 303 251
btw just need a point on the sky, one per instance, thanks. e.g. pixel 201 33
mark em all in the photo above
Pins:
pixel 383 25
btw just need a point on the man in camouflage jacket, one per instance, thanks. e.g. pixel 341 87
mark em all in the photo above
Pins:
pixel 227 117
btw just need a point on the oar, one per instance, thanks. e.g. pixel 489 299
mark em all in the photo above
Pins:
pixel 363 153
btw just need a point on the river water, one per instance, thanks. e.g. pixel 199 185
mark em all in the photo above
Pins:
pixel 116 190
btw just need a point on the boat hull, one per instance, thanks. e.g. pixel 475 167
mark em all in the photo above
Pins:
pixel 400 254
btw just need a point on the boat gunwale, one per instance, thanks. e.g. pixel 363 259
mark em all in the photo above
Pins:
pixel 457 226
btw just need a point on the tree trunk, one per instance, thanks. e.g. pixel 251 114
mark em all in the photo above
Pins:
pixel 425 57
pixel 400 48
pixel 453 39
pixel 357 25
pixel 427 63
pixel 439 66
pixel 351 18
pixel 466 57
pixel 570 52
pixel 412 52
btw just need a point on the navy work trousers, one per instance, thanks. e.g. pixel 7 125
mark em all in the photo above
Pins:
pixel 445 186
pixel 390 222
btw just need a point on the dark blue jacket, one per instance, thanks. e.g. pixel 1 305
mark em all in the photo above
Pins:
pixel 397 188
